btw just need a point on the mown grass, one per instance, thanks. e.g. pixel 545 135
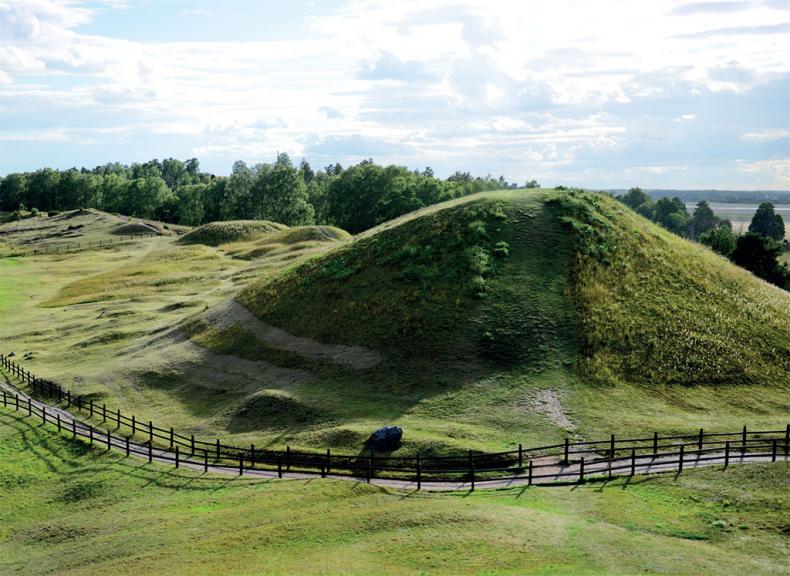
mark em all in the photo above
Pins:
pixel 69 509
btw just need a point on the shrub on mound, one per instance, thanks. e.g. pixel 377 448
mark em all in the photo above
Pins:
pixel 216 233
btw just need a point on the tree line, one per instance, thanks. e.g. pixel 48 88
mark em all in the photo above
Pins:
pixel 354 198
pixel 757 251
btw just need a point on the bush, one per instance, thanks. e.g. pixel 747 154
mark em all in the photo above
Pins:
pixel 34 212
pixel 501 249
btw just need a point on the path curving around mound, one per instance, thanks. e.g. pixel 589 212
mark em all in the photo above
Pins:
pixel 553 471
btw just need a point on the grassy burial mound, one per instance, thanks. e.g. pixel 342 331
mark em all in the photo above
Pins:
pixel 74 226
pixel 530 280
pixel 216 233
pixel 521 307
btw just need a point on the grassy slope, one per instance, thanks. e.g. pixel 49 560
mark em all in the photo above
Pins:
pixel 459 370
pixel 74 226
pixel 67 509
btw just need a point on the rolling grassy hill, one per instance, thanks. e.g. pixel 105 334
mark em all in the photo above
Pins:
pixel 495 319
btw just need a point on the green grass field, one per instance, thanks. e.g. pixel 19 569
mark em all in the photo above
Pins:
pixel 68 509
pixel 493 320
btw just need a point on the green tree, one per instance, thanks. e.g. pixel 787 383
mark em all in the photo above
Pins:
pixel 13 191
pixel 720 239
pixel 702 220
pixel 759 255
pixel 279 193
pixel 767 223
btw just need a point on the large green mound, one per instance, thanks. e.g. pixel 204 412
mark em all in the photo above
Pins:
pixel 533 279
pixel 216 233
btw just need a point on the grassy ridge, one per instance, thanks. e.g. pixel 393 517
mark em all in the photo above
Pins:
pixel 69 509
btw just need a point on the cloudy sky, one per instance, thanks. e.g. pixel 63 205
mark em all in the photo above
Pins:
pixel 596 93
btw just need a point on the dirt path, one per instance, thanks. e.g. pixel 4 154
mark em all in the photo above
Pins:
pixel 550 470
pixel 231 313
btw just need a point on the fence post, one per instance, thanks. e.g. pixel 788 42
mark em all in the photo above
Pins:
pixel 252 456
pixel 177 455
pixel 150 431
pixel 529 479
pixel 611 445
pixel 279 466
pixel 118 418
pixel 192 448
pixel 16 397
pixel 328 460
pixel 773 450
pixel 743 441
pixel 680 460
pixel 610 467
pixel 58 418
pixel 726 453
pixel 472 477
pixel 150 452
pixel 241 463
pixel 581 470
pixel 419 469
pixel 90 433
pixel 787 440
pixel 565 459
pixel 134 424
pixel 171 437
pixel 370 466
pixel 699 442
pixel 655 443
pixel 127 446
pixel 520 457
pixel 109 441
pixel 29 407
pixel 205 460
pixel 74 428
pixel 43 414
pixel 288 458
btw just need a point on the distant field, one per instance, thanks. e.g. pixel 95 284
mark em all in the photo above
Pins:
pixel 741 214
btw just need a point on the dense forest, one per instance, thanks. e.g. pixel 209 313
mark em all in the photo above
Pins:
pixel 175 191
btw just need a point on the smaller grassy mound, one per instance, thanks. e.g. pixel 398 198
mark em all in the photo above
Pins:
pixel 216 233
pixel 75 226
pixel 288 244
pixel 273 410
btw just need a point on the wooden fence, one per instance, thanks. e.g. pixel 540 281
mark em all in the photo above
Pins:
pixel 568 462
pixel 76 246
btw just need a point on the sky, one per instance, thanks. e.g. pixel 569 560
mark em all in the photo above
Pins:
pixel 598 94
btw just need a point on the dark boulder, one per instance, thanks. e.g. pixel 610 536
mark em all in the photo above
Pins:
pixel 386 439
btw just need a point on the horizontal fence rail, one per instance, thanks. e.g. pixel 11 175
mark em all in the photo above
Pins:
pixel 569 462
pixel 77 246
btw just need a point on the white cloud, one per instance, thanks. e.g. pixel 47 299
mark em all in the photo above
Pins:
pixel 767 135
pixel 442 80
pixel 776 171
